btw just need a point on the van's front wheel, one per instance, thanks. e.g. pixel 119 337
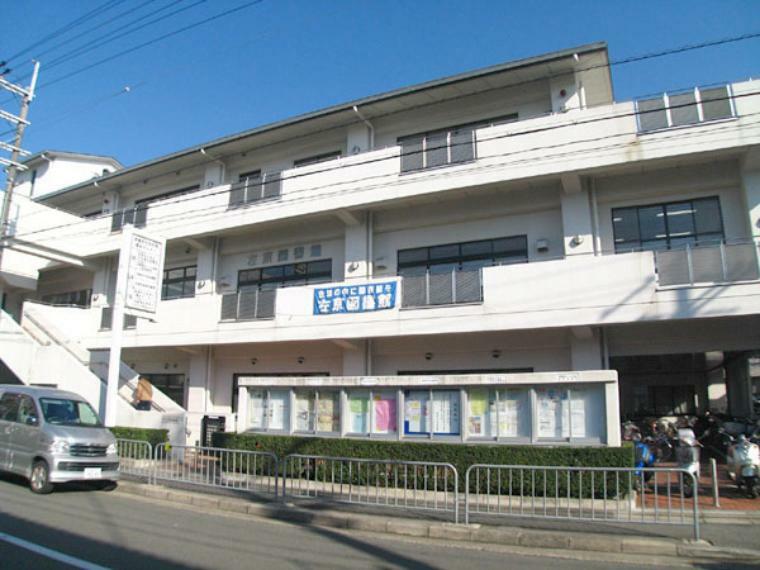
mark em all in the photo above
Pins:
pixel 39 482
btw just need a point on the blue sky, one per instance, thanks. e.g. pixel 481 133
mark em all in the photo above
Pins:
pixel 280 58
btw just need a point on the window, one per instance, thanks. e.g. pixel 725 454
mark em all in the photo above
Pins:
pixel 317 159
pixel 450 274
pixel 431 412
pixel 63 411
pixel 173 385
pixel 669 225
pixel 441 148
pixel 72 298
pixel 9 407
pixel 317 411
pixel 305 273
pixel 138 215
pixel 371 412
pixel 684 108
pixel 498 413
pixel 255 186
pixel 269 410
pixel 179 283
pixel 566 413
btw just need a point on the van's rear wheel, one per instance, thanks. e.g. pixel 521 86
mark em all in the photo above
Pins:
pixel 39 482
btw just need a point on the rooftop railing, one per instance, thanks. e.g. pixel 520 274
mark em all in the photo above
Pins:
pixel 699 105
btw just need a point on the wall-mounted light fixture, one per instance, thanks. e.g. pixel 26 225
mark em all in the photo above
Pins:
pixel 428 356
pixel 495 353
pixel 300 360
pixel 254 360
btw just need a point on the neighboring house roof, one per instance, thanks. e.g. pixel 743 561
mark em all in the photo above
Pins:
pixel 471 82
pixel 42 155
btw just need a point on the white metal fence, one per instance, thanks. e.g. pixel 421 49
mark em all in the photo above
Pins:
pixel 716 263
pixel 583 494
pixel 599 494
pixel 413 485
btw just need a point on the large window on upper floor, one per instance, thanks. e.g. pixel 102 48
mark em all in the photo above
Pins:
pixel 443 147
pixel 138 215
pixel 316 159
pixel 179 283
pixel 293 274
pixel 667 225
pixel 684 108
pixel 450 274
pixel 255 186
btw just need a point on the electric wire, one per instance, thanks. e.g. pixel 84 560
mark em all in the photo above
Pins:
pixel 65 28
pixel 395 156
pixel 287 199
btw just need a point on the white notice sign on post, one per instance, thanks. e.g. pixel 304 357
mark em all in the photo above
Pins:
pixel 144 275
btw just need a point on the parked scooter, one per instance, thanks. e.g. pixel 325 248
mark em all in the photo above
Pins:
pixel 687 457
pixel 744 465
pixel 644 457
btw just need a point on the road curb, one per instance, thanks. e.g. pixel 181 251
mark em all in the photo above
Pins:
pixel 473 533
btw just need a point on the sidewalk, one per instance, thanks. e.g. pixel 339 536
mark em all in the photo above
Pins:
pixel 475 533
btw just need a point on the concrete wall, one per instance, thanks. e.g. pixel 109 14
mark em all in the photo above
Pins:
pixel 58 173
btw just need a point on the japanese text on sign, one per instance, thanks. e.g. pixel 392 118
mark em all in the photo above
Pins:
pixel 355 298
pixel 144 274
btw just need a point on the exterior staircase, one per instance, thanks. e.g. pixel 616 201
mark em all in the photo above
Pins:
pixel 39 353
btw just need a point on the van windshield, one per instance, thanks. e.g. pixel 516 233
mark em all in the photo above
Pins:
pixel 61 411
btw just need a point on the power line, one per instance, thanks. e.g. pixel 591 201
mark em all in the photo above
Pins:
pixel 396 156
pixel 224 209
pixel 151 42
pixel 65 28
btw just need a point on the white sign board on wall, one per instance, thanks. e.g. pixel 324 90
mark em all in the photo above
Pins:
pixel 145 268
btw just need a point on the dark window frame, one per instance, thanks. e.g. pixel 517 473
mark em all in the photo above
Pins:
pixel 185 280
pixel 282 280
pixel 80 298
pixel 317 158
pixel 138 214
pixel 421 140
pixel 459 259
pixel 624 247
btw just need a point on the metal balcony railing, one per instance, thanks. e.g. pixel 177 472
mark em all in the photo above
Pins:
pixel 249 305
pixel 106 320
pixel 449 288
pixel 717 263
pixel 698 105
pixel 256 188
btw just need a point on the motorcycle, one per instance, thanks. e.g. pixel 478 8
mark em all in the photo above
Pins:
pixel 744 466
pixel 687 457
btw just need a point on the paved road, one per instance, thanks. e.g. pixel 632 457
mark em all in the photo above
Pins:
pixel 121 531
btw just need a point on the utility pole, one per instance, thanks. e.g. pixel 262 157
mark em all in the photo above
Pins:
pixel 13 165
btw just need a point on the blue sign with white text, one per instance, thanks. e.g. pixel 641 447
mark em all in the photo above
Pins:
pixel 363 298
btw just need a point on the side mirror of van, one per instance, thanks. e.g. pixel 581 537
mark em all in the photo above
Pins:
pixel 31 421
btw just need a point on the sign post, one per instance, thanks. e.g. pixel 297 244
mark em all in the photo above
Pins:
pixel 138 289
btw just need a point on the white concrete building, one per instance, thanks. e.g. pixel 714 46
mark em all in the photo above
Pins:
pixel 504 255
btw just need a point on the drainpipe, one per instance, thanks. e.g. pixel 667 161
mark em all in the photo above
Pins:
pixel 369 126
pixel 218 161
pixel 595 213
pixel 370 270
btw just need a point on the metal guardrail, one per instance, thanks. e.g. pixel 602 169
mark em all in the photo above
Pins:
pixel 255 188
pixel 240 470
pixel 413 485
pixel 599 494
pixel 135 458
pixel 447 288
pixel 248 305
pixel 717 263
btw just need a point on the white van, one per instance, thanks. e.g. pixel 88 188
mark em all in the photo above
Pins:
pixel 51 436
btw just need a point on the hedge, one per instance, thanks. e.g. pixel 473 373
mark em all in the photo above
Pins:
pixel 459 455
pixel 152 436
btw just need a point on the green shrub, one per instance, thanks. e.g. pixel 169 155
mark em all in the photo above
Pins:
pixel 152 436
pixel 462 456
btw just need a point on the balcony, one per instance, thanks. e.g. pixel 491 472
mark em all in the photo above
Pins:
pixel 432 288
pixel 249 305
pixel 255 188
pixel 717 263
pixel 684 108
